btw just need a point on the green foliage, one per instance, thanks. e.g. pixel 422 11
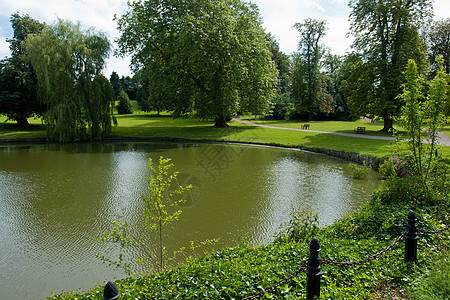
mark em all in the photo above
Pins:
pixel 18 82
pixel 436 35
pixel 124 107
pixel 115 83
pixel 435 282
pixel 357 86
pixel 307 85
pixel 420 112
pixel 160 209
pixel 404 190
pixel 202 55
pixel 281 106
pixel 129 85
pixel 283 64
pixel 302 227
pixel 386 34
pixel 387 168
pixel 68 63
pixel 160 200
pixel 359 172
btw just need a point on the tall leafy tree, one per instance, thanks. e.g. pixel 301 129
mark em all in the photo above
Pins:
pixel 129 85
pixel 358 87
pixel 281 102
pixel 68 63
pixel 386 34
pixel 437 38
pixel 342 76
pixel 282 63
pixel 115 83
pixel 18 82
pixel 208 56
pixel 307 85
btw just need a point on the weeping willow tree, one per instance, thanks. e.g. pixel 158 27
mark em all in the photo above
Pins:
pixel 68 63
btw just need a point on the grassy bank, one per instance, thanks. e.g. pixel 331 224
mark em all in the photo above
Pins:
pixel 240 272
pixel 151 126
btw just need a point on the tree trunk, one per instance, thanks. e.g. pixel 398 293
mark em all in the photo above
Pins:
pixel 221 122
pixel 388 123
pixel 22 121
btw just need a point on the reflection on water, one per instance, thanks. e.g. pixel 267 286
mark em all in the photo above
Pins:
pixel 56 200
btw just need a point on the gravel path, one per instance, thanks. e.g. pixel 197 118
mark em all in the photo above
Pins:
pixel 444 139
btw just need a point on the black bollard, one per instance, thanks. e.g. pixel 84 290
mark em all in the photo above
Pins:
pixel 411 238
pixel 110 292
pixel 313 271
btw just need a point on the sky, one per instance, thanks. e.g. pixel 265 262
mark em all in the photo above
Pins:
pixel 278 16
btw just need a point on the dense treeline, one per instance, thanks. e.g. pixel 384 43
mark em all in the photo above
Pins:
pixel 313 83
pixel 234 68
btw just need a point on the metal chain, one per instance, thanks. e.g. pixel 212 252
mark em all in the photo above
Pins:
pixel 342 264
pixel 435 232
pixel 282 281
pixel 370 258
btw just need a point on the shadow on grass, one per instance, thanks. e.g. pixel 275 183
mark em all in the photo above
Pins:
pixel 13 128
pixel 195 132
pixel 349 144
pixel 143 116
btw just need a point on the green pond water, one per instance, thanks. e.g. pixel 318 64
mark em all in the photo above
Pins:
pixel 56 201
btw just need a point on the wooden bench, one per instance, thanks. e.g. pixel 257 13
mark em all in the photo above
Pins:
pixel 360 130
pixel 305 126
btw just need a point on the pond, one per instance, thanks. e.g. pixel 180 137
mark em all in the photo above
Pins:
pixel 57 200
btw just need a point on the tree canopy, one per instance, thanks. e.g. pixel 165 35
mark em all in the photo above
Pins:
pixel 307 85
pixel 386 34
pixel 18 82
pixel 207 56
pixel 437 39
pixel 68 63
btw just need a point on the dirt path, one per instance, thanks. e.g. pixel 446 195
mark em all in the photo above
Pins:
pixel 444 139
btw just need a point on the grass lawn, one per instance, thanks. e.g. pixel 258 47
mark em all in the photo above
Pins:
pixel 334 126
pixel 150 125
pixel 10 130
pixel 142 125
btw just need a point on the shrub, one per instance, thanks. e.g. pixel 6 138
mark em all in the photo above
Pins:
pixel 407 190
pixel 124 106
pixel 303 226
pixel 359 172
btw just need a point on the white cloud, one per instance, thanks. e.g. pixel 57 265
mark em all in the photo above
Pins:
pixel 278 18
pixel 280 15
pixel 98 14
pixel 442 8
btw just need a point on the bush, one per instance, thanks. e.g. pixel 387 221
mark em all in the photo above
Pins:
pixel 359 172
pixel 387 168
pixel 407 190
pixel 435 283
pixel 303 226
pixel 124 106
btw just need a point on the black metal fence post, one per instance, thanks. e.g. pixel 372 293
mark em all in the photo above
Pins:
pixel 111 292
pixel 313 271
pixel 411 238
